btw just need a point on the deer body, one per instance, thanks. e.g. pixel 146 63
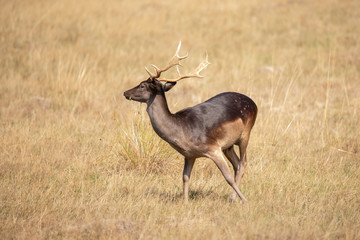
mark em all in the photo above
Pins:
pixel 209 129
pixel 218 122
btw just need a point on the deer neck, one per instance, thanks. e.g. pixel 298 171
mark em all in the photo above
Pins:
pixel 161 118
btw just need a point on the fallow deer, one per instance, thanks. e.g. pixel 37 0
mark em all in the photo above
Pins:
pixel 209 129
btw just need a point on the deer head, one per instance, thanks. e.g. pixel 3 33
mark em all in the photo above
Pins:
pixel 153 86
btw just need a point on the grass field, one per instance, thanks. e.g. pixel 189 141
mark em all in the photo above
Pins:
pixel 79 161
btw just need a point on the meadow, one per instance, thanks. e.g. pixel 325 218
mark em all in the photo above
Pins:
pixel 79 161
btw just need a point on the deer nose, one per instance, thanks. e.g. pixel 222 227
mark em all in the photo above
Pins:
pixel 127 95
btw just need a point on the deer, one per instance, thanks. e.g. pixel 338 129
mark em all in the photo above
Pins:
pixel 210 129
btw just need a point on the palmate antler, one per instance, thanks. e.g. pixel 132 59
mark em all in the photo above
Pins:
pixel 175 61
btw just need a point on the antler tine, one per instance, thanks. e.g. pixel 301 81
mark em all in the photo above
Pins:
pixel 152 76
pixel 174 61
pixel 179 58
pixel 194 73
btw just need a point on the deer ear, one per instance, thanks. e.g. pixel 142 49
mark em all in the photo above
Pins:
pixel 168 85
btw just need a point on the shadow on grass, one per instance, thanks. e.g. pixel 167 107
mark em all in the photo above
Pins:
pixel 194 195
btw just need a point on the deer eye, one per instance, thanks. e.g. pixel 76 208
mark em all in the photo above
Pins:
pixel 142 86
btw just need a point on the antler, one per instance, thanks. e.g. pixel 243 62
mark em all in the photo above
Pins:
pixel 194 73
pixel 175 61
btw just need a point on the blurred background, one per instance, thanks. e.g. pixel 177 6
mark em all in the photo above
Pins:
pixel 80 161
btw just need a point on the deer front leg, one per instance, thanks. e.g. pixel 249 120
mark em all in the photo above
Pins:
pixel 189 163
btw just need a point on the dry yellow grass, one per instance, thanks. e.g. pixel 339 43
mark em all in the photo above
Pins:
pixel 79 161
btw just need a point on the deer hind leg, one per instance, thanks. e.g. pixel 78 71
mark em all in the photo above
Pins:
pixel 243 161
pixel 189 163
pixel 239 165
pixel 235 162
pixel 220 162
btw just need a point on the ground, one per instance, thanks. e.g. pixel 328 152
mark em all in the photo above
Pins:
pixel 79 161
